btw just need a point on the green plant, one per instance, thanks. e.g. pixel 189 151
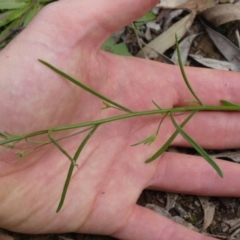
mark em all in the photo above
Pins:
pixel 9 141
pixel 15 15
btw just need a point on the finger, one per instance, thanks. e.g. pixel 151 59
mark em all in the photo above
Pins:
pixel 210 85
pixel 164 83
pixel 148 225
pixel 196 175
pixel 212 130
pixel 95 20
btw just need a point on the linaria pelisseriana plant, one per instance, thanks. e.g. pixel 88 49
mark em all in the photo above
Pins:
pixel 9 141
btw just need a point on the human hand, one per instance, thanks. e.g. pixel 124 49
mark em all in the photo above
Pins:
pixel 104 189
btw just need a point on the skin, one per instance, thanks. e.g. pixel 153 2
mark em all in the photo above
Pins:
pixel 111 175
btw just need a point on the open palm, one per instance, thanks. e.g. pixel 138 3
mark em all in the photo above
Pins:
pixel 111 174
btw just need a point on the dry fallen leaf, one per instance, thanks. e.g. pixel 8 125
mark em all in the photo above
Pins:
pixel 171 200
pixel 197 5
pixel 184 46
pixel 165 213
pixel 167 38
pixel 232 222
pixel 234 155
pixel 209 211
pixel 213 63
pixel 221 14
pixel 226 47
pixel 171 4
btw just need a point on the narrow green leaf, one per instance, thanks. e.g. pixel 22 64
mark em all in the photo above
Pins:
pixel 46 1
pixel 169 141
pixel 184 74
pixel 228 103
pixel 11 4
pixel 31 14
pixel 5 15
pixel 60 147
pixel 86 88
pixel 70 171
pixel 156 105
pixel 3 135
pixel 197 147
pixel 9 31
pixel 11 15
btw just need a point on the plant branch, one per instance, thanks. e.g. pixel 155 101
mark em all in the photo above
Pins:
pixel 60 147
pixel 197 147
pixel 71 168
pixel 232 107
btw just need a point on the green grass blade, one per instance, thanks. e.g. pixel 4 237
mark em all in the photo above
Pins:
pixel 169 141
pixel 54 141
pixel 86 88
pixel 11 4
pixel 197 147
pixel 70 171
pixel 184 74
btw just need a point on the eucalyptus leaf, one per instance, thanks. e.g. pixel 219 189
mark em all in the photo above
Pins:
pixel 166 40
pixel 225 46
pixel 196 147
pixel 213 63
pixel 184 47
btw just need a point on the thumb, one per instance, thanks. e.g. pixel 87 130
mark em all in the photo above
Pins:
pixel 89 20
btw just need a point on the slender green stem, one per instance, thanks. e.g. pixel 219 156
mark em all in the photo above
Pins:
pixel 71 168
pixel 121 117
pixel 146 113
pixel 60 147
pixel 184 74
